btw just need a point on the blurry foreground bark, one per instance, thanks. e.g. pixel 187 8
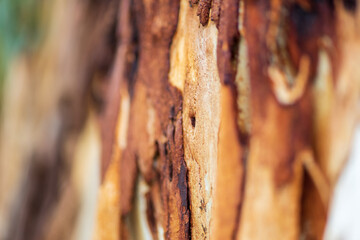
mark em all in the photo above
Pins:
pixel 203 119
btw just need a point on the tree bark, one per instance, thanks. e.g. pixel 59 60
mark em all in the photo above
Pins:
pixel 206 120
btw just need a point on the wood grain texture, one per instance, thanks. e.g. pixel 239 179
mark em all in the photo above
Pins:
pixel 216 119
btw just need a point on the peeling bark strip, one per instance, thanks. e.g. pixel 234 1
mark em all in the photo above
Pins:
pixel 232 142
pixel 215 11
pixel 156 112
pixel 204 11
pixel 117 86
pixel 193 70
pixel 174 184
pixel 309 40
pixel 274 175
pixel 228 41
pixel 230 171
pixel 114 118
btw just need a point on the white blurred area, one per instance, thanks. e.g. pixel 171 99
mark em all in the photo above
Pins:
pixel 344 215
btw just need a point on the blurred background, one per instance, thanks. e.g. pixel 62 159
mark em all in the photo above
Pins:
pixel 50 53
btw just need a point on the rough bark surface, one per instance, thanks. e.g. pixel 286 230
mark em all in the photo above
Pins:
pixel 210 119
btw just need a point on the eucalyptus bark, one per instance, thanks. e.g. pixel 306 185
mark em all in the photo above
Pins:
pixel 222 119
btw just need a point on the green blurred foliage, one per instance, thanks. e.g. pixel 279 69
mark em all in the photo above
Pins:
pixel 20 30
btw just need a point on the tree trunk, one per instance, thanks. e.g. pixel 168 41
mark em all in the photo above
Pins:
pixel 222 119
